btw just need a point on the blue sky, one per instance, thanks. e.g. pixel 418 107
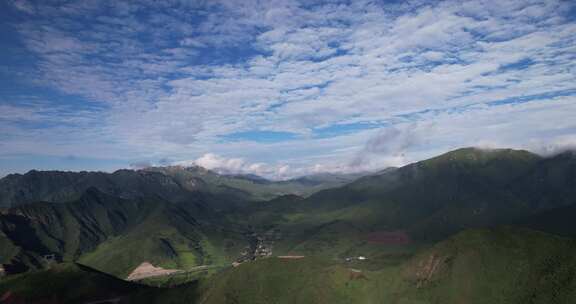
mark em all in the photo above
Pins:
pixel 280 88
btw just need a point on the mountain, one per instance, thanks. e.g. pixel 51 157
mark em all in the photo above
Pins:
pixel 116 235
pixel 425 201
pixel 449 229
pixel 322 179
pixel 553 179
pixel 183 217
pixel 173 216
pixel 256 187
pixel 58 186
pixel 174 183
pixel 559 221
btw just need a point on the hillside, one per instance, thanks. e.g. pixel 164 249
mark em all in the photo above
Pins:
pixel 115 235
pixel 65 283
pixel 72 283
pixel 559 221
pixel 394 212
pixel 174 184
pixel 253 186
pixel 504 265
pixel 424 202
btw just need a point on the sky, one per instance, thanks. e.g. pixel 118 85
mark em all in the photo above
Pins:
pixel 280 88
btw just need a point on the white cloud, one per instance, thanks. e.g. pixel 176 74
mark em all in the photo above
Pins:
pixel 225 165
pixel 316 66
pixel 24 6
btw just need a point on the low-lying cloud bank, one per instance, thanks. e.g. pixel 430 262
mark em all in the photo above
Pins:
pixel 390 147
pixel 234 165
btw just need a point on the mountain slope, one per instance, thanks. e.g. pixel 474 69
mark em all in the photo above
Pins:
pixel 559 221
pixel 255 187
pixel 65 283
pixel 174 184
pixel 399 210
pixel 58 186
pixel 427 201
pixel 504 265
pixel 115 235
pixel 480 266
pixel 75 283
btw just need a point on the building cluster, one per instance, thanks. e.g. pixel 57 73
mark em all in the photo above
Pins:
pixel 260 246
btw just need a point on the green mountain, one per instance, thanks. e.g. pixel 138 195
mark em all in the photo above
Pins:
pixel 559 221
pixel 428 230
pixel 198 217
pixel 252 186
pixel 58 186
pixel 424 202
pixel 116 235
pixel 175 184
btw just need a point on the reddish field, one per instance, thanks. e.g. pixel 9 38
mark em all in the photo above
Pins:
pixel 389 237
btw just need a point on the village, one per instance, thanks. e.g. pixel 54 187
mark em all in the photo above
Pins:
pixel 260 246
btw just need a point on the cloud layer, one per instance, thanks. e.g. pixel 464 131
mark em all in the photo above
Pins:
pixel 295 85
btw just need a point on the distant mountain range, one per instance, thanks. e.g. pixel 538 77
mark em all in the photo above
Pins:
pixel 173 183
pixel 181 218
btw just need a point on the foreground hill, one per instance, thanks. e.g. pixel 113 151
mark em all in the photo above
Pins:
pixel 65 283
pixel 75 283
pixel 479 266
pixel 504 265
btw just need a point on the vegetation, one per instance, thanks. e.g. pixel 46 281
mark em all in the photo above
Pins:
pixel 444 230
